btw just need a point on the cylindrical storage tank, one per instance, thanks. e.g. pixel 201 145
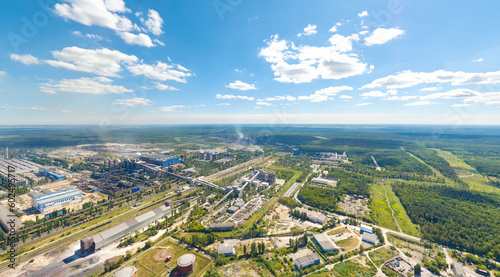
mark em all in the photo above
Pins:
pixel 128 271
pixel 186 263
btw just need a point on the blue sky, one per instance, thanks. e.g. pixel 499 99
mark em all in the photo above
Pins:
pixel 239 61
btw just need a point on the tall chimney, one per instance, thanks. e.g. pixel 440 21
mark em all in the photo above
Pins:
pixel 7 155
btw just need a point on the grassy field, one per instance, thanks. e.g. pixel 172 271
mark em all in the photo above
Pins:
pixel 381 255
pixel 401 216
pixel 148 266
pixel 243 268
pixel 351 268
pixel 348 244
pixel 380 211
pixel 469 174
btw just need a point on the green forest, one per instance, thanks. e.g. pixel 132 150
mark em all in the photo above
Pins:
pixel 460 219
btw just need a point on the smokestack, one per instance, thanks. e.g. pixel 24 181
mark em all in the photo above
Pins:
pixel 7 153
pixel 263 161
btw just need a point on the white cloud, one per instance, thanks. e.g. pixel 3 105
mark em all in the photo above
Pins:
pixel 382 35
pixel 345 97
pixel 161 71
pixel 223 104
pixel 97 85
pixel 488 98
pixel 161 86
pixel 401 98
pixel 333 29
pixel 3 73
pixel 91 36
pixel 462 105
pixel 324 94
pixel 102 61
pixel 478 60
pixel 430 89
pixel 132 102
pixel 452 94
pixel 420 103
pixel 109 14
pixel 25 59
pixel 34 108
pixel 173 108
pixel 63 111
pixel 239 85
pixel 408 78
pixel 375 93
pixel 468 97
pixel 392 91
pixel 363 32
pixel 363 14
pixel 133 39
pixel 261 103
pixel 279 98
pixel 309 30
pixel 153 23
pixel 363 104
pixel 230 96
pixel 310 62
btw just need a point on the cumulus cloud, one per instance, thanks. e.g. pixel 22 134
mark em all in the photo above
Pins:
pixel 230 96
pixel 25 59
pixel 161 71
pixel 309 30
pixel 478 60
pixel 91 36
pixel 430 89
pixel 401 98
pixel 279 98
pixel 132 102
pixel 383 35
pixel 452 94
pixel 161 86
pixel 302 64
pixel 363 104
pixel 102 61
pixel 375 93
pixel 324 94
pixel 97 85
pixel 408 78
pixel 239 85
pixel 261 103
pixel 363 14
pixel 345 97
pixel 110 14
pixel 223 104
pixel 173 108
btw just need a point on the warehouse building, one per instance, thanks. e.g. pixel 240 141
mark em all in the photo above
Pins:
pixel 369 238
pixel 56 200
pixel 9 220
pixel 313 216
pixel 95 242
pixel 20 165
pixel 306 261
pixel 56 175
pixel 226 250
pixel 366 229
pixel 221 226
pixel 325 181
pixel 324 242
pixel 160 160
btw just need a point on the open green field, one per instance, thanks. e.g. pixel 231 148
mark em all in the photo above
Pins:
pixel 348 244
pixel 382 254
pixel 468 174
pixel 380 211
pixel 149 266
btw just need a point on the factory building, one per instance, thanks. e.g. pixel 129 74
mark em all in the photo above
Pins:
pixel 9 220
pixel 55 200
pixel 160 160
pixel 366 229
pixel 325 243
pixel 186 264
pixel 56 175
pixel 221 226
pixel 325 181
pixel 226 250
pixel 269 177
pixel 128 271
pixel 94 242
pixel 20 165
pixel 306 261
pixel 313 216
pixel 369 238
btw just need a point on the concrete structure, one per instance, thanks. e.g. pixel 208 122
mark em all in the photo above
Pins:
pixel 366 229
pixel 128 271
pixel 20 165
pixel 56 200
pixel 325 243
pixel 458 269
pixel 313 216
pixel 369 238
pixel 186 263
pixel 306 261
pixel 232 209
pixel 269 177
pixel 9 220
pixel 92 243
pixel 239 203
pixel 56 175
pixel 226 250
pixel 221 226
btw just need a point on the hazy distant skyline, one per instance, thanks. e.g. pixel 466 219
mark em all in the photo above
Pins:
pixel 241 62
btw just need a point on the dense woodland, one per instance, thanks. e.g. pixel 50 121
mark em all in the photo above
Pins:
pixel 459 219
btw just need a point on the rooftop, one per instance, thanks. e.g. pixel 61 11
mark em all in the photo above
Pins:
pixel 186 259
pixel 307 259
